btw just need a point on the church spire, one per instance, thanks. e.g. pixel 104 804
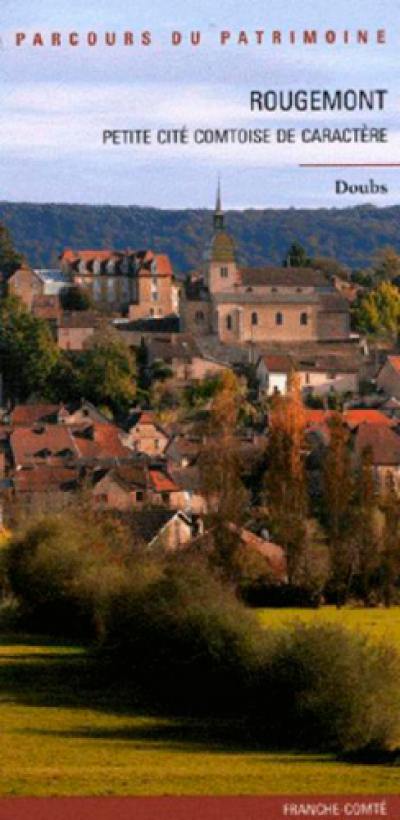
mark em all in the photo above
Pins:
pixel 218 213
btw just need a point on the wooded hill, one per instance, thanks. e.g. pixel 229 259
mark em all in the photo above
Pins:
pixel 352 235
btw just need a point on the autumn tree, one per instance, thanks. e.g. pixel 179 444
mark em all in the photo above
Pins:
pixel 220 467
pixel 285 490
pixel 338 490
pixel 365 524
pixel 390 543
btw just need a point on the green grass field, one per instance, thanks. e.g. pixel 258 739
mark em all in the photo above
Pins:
pixel 62 735
pixel 379 624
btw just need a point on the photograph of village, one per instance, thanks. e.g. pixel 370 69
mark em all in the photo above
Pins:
pixel 200 519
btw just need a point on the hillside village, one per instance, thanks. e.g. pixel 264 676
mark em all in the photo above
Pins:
pixel 221 362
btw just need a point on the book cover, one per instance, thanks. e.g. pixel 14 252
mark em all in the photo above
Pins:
pixel 200 393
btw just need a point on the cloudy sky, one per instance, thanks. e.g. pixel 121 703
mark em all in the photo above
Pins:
pixel 56 101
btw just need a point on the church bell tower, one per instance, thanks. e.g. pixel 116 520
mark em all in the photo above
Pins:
pixel 220 258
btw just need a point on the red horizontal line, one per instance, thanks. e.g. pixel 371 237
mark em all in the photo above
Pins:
pixel 349 165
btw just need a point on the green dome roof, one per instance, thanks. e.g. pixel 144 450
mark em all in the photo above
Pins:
pixel 222 248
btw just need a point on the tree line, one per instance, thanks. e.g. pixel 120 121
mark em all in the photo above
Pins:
pixel 350 235
pixel 340 532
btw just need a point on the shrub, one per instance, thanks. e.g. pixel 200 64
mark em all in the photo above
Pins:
pixel 186 637
pixel 324 687
pixel 60 569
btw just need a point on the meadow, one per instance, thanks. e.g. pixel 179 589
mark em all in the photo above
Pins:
pixel 65 733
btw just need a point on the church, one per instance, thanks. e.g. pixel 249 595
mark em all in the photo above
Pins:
pixel 265 304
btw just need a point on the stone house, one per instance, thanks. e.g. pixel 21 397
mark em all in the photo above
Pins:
pixel 134 486
pixel 324 374
pixel 75 329
pixel 273 373
pixel 140 283
pixel 30 284
pixel 181 353
pixel 317 374
pixel 169 530
pixel 43 484
pixel 384 445
pixel 143 434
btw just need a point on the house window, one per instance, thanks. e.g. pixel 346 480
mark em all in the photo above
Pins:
pixel 331 376
pixel 156 443
pixel 97 289
pixel 165 497
pixel 139 495
pixel 254 318
pixel 307 378
pixel 279 318
pixel 110 290
pixel 154 296
pixel 224 272
pixel 199 317
pixel 125 287
pixel 151 311
pixel 229 322
pixel 303 319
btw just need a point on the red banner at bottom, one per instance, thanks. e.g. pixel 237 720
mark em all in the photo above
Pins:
pixel 199 808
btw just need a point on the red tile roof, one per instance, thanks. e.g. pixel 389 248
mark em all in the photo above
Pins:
pixel 352 418
pixel 29 414
pixel 163 264
pixel 278 363
pixel 53 442
pixel 384 443
pixel 147 417
pixel 143 417
pixel 162 483
pixel 86 255
pixel 357 416
pixel 315 417
pixel 104 443
pixel 45 479
pixel 273 553
pixel 395 362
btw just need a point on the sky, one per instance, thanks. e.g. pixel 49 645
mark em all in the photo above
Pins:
pixel 57 101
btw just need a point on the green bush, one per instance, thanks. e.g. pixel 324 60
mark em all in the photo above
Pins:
pixel 61 568
pixel 186 637
pixel 195 648
pixel 324 687
pixel 169 627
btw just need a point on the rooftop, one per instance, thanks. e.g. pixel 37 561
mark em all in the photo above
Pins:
pixel 271 275
pixel 383 442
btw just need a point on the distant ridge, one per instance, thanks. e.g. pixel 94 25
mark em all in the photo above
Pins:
pixel 352 235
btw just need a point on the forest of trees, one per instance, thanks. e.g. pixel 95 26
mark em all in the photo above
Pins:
pixel 350 235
